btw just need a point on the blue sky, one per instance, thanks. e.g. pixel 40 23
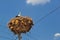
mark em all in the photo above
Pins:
pixel 47 29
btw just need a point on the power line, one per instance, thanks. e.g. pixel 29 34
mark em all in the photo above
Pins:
pixel 16 38
pixel 5 37
pixel 39 19
pixel 7 34
pixel 47 15
pixel 34 38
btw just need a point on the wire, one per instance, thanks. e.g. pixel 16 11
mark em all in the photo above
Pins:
pixel 6 33
pixel 38 20
pixel 16 38
pixel 34 38
pixel 5 37
pixel 47 15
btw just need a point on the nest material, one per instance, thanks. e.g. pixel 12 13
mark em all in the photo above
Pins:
pixel 20 24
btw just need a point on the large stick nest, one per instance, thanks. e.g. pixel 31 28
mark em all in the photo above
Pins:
pixel 20 24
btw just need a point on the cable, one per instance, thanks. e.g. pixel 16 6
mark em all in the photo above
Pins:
pixel 34 38
pixel 47 15
pixel 8 38
pixel 5 37
pixel 16 38
pixel 5 32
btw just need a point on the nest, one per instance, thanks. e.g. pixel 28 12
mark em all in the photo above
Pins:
pixel 20 24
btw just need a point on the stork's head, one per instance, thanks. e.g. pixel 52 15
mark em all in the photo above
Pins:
pixel 19 14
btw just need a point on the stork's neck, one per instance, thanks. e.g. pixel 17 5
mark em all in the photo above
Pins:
pixel 19 14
